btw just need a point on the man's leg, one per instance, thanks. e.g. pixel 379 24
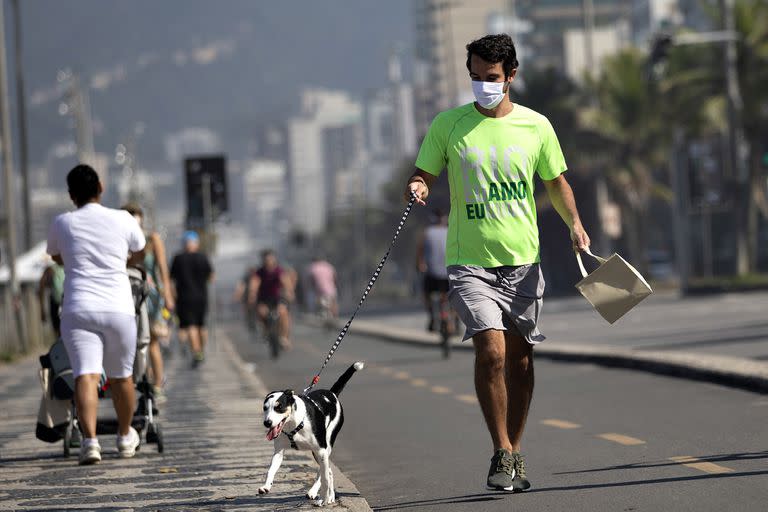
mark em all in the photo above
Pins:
pixel 284 325
pixel 194 338
pixel 427 297
pixel 262 311
pixel 519 379
pixel 490 384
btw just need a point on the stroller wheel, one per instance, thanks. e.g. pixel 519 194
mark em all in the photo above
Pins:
pixel 155 435
pixel 151 433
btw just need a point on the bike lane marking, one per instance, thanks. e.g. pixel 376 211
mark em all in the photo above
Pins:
pixel 706 467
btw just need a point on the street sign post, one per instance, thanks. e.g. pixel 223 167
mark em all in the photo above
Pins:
pixel 214 167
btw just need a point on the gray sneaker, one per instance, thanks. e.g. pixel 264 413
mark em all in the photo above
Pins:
pixel 520 482
pixel 501 476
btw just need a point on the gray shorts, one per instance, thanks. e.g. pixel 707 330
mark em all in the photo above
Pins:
pixel 498 298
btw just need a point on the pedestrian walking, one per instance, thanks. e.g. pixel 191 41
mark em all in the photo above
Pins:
pixel 51 285
pixel 492 148
pixel 160 296
pixel 98 319
pixel 430 262
pixel 191 271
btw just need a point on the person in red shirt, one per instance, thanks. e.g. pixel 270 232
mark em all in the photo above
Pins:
pixel 271 288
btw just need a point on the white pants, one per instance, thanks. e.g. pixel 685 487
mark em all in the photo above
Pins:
pixel 100 340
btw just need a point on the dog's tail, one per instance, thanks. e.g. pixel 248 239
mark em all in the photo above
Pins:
pixel 338 386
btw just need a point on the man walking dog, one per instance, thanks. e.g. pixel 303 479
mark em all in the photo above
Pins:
pixel 492 148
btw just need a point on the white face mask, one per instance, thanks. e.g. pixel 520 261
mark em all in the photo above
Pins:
pixel 488 94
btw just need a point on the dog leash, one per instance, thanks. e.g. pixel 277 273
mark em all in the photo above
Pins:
pixel 368 288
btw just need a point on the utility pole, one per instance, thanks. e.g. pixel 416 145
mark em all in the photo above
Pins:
pixel 738 171
pixel 680 205
pixel 588 11
pixel 21 108
pixel 210 244
pixel 8 181
pixel 602 241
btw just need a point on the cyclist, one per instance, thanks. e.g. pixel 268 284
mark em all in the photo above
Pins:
pixel 322 277
pixel 271 288
pixel 430 261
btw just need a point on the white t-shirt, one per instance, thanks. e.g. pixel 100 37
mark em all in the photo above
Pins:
pixel 93 242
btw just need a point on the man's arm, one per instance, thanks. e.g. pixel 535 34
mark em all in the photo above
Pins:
pixel 561 195
pixel 253 289
pixel 288 280
pixel 45 282
pixel 419 183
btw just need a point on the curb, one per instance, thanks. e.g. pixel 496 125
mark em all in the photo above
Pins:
pixel 724 370
pixel 351 497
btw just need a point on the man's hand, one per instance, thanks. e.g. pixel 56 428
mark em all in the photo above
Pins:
pixel 579 237
pixel 419 184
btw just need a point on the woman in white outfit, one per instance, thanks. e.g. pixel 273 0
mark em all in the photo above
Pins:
pixel 98 323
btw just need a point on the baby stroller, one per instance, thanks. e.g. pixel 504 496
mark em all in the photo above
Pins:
pixel 57 418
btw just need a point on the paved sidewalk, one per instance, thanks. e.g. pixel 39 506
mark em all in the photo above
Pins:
pixel 721 339
pixel 215 455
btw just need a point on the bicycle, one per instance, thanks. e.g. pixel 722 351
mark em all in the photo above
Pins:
pixel 272 332
pixel 447 322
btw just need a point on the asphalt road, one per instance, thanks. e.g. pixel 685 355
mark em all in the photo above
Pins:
pixel 597 438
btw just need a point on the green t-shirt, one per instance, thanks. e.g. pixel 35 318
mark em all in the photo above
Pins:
pixel 490 164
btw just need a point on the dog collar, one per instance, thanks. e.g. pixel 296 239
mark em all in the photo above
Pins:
pixel 293 433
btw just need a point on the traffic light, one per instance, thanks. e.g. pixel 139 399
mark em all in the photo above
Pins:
pixel 215 167
pixel 659 53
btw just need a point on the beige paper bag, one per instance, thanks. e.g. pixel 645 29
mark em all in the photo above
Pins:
pixel 614 287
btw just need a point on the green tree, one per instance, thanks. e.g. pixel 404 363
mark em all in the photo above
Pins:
pixel 633 141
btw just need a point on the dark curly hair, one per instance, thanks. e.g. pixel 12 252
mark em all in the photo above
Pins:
pixel 133 208
pixel 83 183
pixel 494 48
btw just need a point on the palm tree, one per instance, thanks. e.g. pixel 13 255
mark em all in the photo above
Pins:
pixel 751 20
pixel 634 138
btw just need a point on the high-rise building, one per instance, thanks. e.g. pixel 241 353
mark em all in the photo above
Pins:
pixel 556 31
pixel 309 175
pixel 263 190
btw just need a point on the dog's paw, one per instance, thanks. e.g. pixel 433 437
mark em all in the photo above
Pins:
pixel 263 490
pixel 311 495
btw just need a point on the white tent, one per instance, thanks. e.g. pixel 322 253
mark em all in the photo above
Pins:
pixel 29 266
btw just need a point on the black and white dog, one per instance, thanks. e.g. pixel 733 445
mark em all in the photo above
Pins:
pixel 309 422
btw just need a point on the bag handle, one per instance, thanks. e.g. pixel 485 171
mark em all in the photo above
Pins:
pixel 584 272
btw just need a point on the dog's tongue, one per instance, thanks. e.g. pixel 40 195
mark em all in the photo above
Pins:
pixel 274 432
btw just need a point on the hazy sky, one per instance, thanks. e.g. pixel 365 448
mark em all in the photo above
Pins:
pixel 221 63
